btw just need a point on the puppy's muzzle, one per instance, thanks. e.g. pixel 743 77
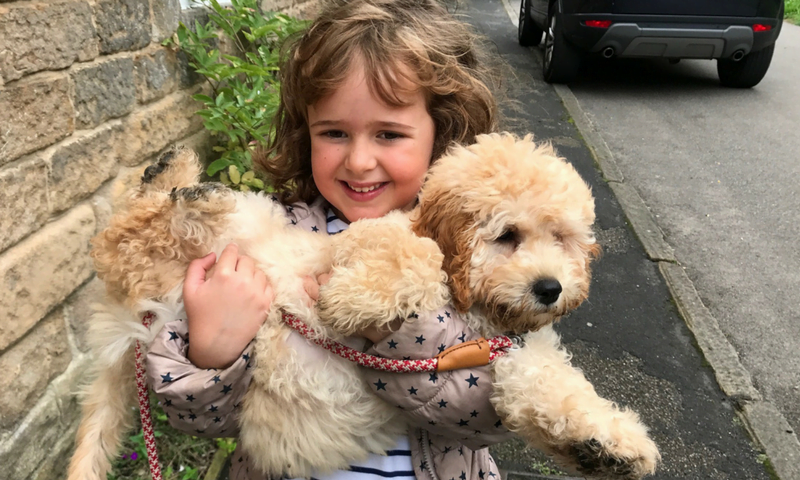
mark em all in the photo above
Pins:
pixel 546 290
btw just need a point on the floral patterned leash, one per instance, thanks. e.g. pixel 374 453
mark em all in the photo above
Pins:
pixel 499 346
pixel 144 404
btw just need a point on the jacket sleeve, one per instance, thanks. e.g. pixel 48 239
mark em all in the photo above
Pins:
pixel 197 401
pixel 452 404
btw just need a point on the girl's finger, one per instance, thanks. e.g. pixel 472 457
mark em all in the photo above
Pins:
pixel 228 259
pixel 246 266
pixel 196 273
pixel 323 278
pixel 311 287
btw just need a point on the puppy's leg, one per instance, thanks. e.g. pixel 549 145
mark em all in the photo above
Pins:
pixel 106 417
pixel 381 271
pixel 551 404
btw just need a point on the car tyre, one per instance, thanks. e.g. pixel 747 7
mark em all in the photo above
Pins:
pixel 528 34
pixel 748 71
pixel 561 59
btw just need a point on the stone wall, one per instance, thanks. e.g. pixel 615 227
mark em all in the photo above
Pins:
pixel 88 97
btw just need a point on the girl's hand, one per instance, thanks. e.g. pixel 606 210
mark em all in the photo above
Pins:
pixel 225 304
pixel 373 334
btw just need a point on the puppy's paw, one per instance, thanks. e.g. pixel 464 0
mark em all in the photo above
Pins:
pixel 381 271
pixel 628 458
pixel 178 167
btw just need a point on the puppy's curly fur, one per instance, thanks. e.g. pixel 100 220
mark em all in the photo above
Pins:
pixel 142 257
pixel 512 222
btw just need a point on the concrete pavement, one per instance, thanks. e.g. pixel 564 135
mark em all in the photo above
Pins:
pixel 630 338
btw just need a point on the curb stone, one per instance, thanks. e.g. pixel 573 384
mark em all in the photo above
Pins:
pixel 765 423
pixel 218 470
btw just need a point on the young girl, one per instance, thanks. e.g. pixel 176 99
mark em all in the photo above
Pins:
pixel 371 94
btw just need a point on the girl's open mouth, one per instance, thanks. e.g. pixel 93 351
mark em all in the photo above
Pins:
pixel 363 192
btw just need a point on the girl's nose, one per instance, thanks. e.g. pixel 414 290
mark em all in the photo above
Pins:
pixel 360 157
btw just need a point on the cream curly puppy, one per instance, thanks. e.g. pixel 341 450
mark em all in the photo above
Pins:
pixel 142 257
pixel 514 224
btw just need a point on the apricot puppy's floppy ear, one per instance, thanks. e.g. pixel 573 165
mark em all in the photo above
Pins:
pixel 439 218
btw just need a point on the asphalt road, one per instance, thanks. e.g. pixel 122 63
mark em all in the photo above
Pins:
pixel 628 338
pixel 719 168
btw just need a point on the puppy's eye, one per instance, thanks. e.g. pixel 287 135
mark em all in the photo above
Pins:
pixel 558 236
pixel 508 237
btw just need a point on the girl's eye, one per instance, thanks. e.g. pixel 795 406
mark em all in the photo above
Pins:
pixel 390 135
pixel 334 134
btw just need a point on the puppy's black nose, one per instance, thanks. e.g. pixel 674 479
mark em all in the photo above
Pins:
pixel 547 290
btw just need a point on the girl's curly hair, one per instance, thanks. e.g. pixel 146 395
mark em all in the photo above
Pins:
pixel 397 42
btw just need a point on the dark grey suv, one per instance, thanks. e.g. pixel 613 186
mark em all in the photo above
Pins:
pixel 739 34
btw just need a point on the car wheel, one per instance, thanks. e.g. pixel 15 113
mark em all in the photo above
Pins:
pixel 561 59
pixel 748 71
pixel 528 34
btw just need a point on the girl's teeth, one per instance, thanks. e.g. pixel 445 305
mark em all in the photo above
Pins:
pixel 363 190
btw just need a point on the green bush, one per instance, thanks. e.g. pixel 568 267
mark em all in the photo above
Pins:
pixel 244 87
pixel 792 12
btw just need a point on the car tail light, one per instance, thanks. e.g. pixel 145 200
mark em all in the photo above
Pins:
pixel 604 23
pixel 761 28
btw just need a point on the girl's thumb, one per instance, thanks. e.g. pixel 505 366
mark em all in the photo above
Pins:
pixel 196 273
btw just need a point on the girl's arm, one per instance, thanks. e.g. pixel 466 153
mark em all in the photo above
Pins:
pixel 201 384
pixel 453 404
pixel 198 401
pixel 226 304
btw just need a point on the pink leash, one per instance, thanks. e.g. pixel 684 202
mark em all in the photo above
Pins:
pixel 144 405
pixel 499 346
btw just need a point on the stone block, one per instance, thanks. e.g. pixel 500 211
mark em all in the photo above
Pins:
pixel 156 74
pixel 23 199
pixel 35 276
pixel 30 365
pixel 166 16
pixel 149 130
pixel 78 308
pixel 103 90
pixel 122 24
pixel 81 164
pixel 37 112
pixel 44 36
pixel 46 432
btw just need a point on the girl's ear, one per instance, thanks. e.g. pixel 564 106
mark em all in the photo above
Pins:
pixel 440 219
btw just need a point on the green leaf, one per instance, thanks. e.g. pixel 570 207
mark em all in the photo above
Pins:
pixel 234 174
pixel 203 98
pixel 216 166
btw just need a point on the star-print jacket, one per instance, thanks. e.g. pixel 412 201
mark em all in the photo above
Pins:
pixel 450 414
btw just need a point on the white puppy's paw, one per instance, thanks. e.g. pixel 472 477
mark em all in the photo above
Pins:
pixel 624 451
pixel 381 271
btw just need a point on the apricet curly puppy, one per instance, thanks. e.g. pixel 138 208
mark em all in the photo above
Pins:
pixel 296 415
pixel 514 222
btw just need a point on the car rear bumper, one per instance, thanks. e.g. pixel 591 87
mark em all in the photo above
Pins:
pixel 670 36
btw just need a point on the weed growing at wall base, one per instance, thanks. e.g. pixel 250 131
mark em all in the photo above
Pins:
pixel 182 457
pixel 244 85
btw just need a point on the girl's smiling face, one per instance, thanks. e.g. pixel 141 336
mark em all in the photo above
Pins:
pixel 367 157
